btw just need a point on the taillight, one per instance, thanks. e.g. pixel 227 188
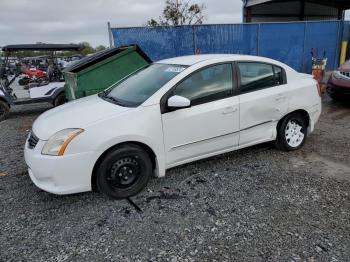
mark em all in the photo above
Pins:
pixel 319 89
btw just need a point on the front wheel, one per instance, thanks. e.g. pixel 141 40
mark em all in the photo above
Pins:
pixel 124 172
pixel 292 132
pixel 4 110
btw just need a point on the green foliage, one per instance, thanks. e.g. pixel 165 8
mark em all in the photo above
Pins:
pixel 100 48
pixel 179 12
pixel 87 50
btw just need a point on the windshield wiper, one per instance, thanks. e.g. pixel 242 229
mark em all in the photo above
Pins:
pixel 104 93
pixel 113 99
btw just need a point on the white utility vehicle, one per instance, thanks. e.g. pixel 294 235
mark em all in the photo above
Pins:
pixel 167 114
pixel 12 94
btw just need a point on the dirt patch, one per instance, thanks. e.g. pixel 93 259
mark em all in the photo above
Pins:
pixel 331 168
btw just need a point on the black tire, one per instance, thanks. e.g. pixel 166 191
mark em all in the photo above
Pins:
pixel 59 100
pixel 6 82
pixel 23 81
pixel 124 172
pixel 283 141
pixel 336 97
pixel 4 110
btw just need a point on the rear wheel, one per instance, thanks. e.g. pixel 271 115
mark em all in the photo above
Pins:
pixel 4 110
pixel 124 172
pixel 60 100
pixel 291 133
pixel 23 81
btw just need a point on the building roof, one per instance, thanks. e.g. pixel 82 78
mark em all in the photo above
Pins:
pixel 342 4
pixel 43 47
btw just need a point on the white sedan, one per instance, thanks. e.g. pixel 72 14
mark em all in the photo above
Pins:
pixel 167 114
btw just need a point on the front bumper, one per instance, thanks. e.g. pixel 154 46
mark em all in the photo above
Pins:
pixel 60 174
pixel 334 88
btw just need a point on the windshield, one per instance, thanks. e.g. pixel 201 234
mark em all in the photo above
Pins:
pixel 141 85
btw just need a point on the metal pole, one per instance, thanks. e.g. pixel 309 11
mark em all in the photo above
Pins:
pixel 194 40
pixel 258 41
pixel 339 38
pixel 110 35
pixel 303 55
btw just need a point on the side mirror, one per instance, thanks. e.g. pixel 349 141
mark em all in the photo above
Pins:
pixel 178 102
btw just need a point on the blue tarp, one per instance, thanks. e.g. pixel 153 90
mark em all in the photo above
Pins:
pixel 290 43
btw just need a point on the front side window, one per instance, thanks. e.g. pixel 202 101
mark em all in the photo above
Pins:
pixel 141 85
pixel 255 76
pixel 209 84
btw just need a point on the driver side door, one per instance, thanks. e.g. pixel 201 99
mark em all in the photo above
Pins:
pixel 211 124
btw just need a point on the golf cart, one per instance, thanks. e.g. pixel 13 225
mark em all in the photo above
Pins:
pixel 52 91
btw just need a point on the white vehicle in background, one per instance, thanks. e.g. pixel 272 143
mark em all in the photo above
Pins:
pixel 167 114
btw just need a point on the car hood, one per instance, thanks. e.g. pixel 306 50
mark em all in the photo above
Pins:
pixel 77 114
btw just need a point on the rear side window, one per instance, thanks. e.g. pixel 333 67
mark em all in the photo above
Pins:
pixel 256 76
pixel 209 84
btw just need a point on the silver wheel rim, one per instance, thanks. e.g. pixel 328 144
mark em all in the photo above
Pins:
pixel 294 134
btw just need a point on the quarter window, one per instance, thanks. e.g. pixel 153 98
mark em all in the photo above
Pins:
pixel 255 76
pixel 207 85
pixel 278 75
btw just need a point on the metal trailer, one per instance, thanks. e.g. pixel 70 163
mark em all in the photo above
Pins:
pixel 51 93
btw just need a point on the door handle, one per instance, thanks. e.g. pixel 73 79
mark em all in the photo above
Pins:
pixel 229 110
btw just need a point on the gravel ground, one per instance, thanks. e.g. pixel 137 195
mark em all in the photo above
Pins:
pixel 255 204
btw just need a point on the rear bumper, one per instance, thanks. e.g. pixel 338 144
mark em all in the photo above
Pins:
pixel 60 175
pixel 314 113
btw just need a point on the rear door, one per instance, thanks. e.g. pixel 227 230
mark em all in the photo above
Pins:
pixel 263 101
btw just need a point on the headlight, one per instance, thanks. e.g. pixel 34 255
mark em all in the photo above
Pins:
pixel 58 143
pixel 337 74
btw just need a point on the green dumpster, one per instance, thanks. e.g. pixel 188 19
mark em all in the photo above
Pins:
pixel 95 73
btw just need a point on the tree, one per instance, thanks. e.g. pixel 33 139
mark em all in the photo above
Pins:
pixel 87 50
pixel 180 12
pixel 100 48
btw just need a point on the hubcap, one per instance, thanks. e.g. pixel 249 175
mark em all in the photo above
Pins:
pixel 294 133
pixel 124 172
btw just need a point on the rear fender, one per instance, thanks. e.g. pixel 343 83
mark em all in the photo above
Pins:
pixel 50 91
pixel 57 91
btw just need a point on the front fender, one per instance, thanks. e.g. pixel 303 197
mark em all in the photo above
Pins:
pixel 158 150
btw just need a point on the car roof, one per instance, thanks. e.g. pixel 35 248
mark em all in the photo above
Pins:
pixel 194 59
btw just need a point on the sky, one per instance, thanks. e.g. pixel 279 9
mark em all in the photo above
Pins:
pixel 74 21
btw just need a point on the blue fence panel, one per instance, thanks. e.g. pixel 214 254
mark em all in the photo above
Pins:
pixel 157 42
pixel 234 39
pixel 283 42
pixel 289 43
pixel 322 36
